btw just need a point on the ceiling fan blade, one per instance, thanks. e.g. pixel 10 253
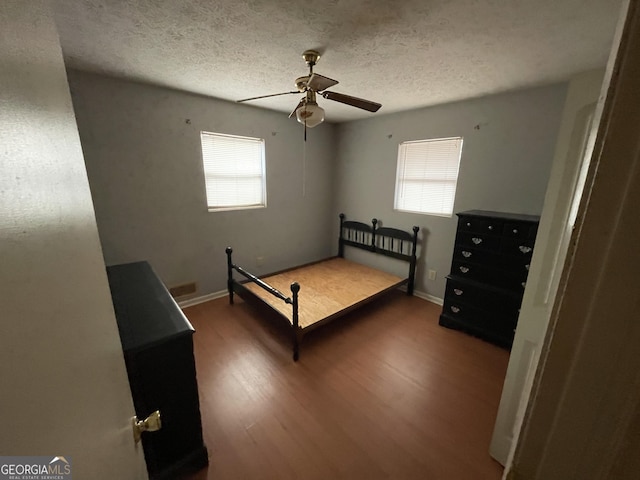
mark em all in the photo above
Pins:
pixel 293 113
pixel 317 83
pixel 265 96
pixel 353 101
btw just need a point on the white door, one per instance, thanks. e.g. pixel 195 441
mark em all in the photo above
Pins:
pixel 64 389
pixel 573 150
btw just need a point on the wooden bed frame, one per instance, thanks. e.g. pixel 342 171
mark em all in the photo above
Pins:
pixel 356 284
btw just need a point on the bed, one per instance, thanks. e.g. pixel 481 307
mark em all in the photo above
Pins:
pixel 325 290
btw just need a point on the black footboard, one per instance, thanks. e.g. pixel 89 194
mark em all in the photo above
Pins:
pixel 234 286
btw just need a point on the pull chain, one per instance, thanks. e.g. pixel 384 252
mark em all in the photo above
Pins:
pixel 304 161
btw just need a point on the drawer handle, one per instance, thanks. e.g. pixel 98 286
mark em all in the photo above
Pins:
pixel 464 269
pixel 527 267
pixel 457 291
pixel 515 230
pixel 455 309
pixel 466 254
pixel 152 423
pixel 468 224
pixel 476 240
pixel 524 284
pixel 524 249
pixel 490 227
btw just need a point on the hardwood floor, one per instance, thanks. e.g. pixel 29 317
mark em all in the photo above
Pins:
pixel 383 393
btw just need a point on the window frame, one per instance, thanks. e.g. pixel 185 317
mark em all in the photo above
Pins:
pixel 207 172
pixel 401 178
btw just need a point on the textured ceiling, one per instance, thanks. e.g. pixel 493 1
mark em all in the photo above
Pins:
pixel 403 54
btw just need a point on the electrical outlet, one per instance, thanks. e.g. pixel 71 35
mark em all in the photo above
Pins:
pixel 432 274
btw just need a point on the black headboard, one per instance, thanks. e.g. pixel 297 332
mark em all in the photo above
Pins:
pixel 391 242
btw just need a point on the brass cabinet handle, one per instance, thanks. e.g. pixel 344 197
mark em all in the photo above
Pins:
pixel 150 424
pixel 455 309
pixel 476 240
pixel 524 249
pixel 457 291
pixel 466 254
pixel 464 269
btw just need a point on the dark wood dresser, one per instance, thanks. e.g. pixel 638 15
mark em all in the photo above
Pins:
pixel 158 351
pixel 491 259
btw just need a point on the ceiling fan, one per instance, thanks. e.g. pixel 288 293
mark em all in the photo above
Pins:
pixel 307 111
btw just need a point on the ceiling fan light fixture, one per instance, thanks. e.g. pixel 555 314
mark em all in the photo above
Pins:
pixel 307 112
pixel 310 114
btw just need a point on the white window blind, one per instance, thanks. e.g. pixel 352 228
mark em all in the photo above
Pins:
pixel 427 175
pixel 234 170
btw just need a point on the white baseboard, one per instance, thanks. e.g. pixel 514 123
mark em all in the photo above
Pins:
pixel 429 298
pixel 190 302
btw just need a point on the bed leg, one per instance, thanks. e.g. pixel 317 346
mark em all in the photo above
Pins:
pixel 414 260
pixel 295 288
pixel 297 337
pixel 340 239
pixel 230 288
pixel 229 251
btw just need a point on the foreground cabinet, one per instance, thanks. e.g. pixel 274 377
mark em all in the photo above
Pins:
pixel 158 351
pixel 491 259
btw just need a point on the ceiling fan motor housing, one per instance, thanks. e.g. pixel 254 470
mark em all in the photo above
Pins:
pixel 311 57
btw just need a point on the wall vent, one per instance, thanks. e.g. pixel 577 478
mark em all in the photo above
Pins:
pixel 182 290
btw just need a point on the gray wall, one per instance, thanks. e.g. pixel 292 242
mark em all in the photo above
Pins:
pixel 142 151
pixel 144 166
pixel 509 142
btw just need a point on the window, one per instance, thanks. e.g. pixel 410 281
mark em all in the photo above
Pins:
pixel 234 171
pixel 427 175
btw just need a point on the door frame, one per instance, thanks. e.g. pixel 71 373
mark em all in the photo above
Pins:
pixel 582 417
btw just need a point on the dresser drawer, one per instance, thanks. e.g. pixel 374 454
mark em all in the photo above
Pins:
pixel 521 249
pixel 513 280
pixel 505 303
pixel 479 318
pixel 514 263
pixel 501 335
pixel 520 230
pixel 480 225
pixel 462 253
pixel 478 241
pixel 518 266
pixel 472 271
